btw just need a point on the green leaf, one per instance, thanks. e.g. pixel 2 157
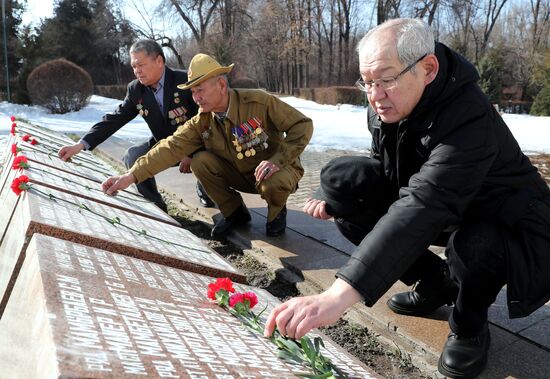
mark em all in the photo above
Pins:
pixel 326 375
pixel 289 345
pixel 309 350
pixel 285 355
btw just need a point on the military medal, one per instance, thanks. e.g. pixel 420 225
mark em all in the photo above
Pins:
pixel 176 97
pixel 249 138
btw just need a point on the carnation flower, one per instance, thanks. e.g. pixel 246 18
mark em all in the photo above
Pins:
pixel 222 285
pixel 26 137
pixel 20 162
pixel 15 149
pixel 12 118
pixel 20 184
pixel 34 141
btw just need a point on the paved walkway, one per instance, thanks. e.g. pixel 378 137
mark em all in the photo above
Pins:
pixel 314 249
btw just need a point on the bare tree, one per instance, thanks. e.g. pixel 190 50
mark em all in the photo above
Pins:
pixel 197 14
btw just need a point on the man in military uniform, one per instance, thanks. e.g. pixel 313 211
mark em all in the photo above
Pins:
pixel 241 140
pixel 154 96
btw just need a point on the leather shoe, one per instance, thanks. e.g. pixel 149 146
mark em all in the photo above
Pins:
pixel 277 226
pixel 204 199
pixel 464 357
pixel 240 216
pixel 425 297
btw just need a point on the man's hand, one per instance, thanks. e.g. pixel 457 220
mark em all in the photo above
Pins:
pixel 298 316
pixel 316 208
pixel 66 152
pixel 265 170
pixel 113 184
pixel 185 165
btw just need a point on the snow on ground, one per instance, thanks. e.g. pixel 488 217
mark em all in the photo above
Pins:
pixel 341 127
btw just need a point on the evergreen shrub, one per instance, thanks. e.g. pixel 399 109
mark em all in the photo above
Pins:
pixel 60 86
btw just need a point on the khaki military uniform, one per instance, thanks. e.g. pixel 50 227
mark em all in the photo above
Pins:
pixel 257 127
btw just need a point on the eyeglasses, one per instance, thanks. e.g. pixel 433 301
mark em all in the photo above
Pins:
pixel 388 83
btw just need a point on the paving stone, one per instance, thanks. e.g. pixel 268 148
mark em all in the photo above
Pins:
pixel 498 315
pixel 68 217
pixel 91 190
pixel 80 312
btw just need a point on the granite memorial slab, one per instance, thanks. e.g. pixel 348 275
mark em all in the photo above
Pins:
pixel 8 202
pixel 81 312
pixel 42 132
pixel 76 160
pixel 51 212
pixel 90 161
pixel 90 190
pixel 6 152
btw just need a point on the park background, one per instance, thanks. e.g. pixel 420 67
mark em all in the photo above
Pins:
pixel 285 46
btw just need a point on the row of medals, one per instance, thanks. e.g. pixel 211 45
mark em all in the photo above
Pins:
pixel 249 138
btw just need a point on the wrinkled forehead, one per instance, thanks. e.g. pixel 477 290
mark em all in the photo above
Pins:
pixel 377 56
pixel 140 56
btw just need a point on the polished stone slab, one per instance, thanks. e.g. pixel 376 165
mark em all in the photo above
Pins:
pixel 80 312
pixel 43 133
pixel 77 160
pixel 90 190
pixel 55 213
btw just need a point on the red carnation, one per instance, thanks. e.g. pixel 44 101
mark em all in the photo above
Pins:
pixel 236 299
pixel 12 118
pixel 12 130
pixel 220 284
pixel 20 162
pixel 26 137
pixel 13 125
pixel 34 141
pixel 15 149
pixel 251 296
pixel 20 184
pixel 249 300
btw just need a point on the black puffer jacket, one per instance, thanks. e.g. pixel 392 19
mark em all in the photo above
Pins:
pixel 454 160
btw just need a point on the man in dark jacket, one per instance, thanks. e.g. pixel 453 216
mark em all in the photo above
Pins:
pixel 444 168
pixel 153 95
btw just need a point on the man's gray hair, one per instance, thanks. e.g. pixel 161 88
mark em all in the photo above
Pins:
pixel 413 38
pixel 150 47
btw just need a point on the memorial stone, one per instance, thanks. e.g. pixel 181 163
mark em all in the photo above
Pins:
pixel 51 212
pixel 81 312
pixel 90 190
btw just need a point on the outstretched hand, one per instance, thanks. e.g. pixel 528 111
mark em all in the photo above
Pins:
pixel 113 184
pixel 298 316
pixel 66 152
pixel 316 208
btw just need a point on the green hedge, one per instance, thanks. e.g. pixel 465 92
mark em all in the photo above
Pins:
pixel 332 95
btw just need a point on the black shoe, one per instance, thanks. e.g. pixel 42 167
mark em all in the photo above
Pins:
pixel 204 199
pixel 425 297
pixel 162 205
pixel 464 357
pixel 239 217
pixel 277 226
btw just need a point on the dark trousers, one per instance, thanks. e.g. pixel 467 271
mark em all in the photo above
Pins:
pixel 148 188
pixel 475 253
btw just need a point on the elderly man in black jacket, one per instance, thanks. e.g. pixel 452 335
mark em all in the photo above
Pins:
pixel 444 169
pixel 153 95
